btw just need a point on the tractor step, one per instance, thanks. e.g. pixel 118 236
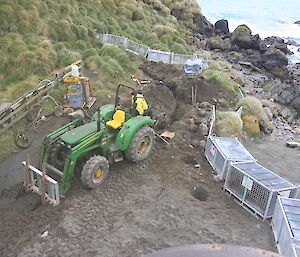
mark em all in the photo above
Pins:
pixel 116 153
pixel 118 157
pixel 40 183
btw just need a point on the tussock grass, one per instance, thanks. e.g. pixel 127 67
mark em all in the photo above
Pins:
pixel 229 124
pixel 252 106
pixel 37 37
pixel 218 72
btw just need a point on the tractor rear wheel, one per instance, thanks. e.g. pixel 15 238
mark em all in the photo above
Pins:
pixel 142 145
pixel 57 155
pixel 94 171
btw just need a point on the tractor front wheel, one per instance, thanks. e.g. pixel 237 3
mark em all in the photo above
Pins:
pixel 58 153
pixel 142 145
pixel 94 171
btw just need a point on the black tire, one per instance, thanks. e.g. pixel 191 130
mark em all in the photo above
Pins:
pixel 57 155
pixel 142 145
pixel 22 140
pixel 90 177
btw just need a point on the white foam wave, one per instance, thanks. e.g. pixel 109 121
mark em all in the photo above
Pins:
pixel 295 58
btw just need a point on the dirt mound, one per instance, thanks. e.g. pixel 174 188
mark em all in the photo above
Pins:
pixel 162 101
pixel 181 85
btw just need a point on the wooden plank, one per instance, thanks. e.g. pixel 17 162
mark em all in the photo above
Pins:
pixel 20 107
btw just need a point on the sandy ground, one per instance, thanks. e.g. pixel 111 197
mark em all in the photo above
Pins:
pixel 139 208
pixel 137 211
pixel 278 158
pixel 11 172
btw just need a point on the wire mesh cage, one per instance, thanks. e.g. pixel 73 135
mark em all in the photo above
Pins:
pixel 257 187
pixel 286 226
pixel 220 151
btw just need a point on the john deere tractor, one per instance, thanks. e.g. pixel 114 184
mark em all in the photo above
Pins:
pixel 111 135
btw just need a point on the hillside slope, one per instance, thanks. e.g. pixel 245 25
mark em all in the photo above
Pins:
pixel 37 37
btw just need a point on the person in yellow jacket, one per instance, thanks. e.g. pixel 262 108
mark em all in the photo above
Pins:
pixel 141 104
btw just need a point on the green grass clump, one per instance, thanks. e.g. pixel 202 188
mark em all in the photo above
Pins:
pixel 252 106
pixel 220 78
pixel 218 72
pixel 37 37
pixel 229 124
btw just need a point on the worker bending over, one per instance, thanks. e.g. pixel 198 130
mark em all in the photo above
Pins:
pixel 141 105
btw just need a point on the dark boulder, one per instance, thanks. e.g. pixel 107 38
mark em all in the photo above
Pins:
pixel 255 42
pixel 274 58
pixel 254 57
pixel 221 27
pixel 273 40
pixel 285 93
pixel 241 36
pixel 202 25
pixel 275 61
pixel 297 22
pixel 283 47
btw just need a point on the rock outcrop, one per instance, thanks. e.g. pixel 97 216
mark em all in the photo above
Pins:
pixel 202 26
pixel 275 61
pixel 219 43
pixel 221 27
pixel 243 38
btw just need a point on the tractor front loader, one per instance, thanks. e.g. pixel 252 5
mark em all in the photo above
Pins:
pixel 111 135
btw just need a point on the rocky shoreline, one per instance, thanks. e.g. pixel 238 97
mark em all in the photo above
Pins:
pixel 264 68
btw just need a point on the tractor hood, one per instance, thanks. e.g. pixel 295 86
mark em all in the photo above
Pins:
pixel 76 135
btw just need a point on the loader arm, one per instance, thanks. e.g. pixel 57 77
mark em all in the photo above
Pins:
pixel 91 144
pixel 52 137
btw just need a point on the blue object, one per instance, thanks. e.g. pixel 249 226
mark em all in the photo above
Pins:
pixel 75 95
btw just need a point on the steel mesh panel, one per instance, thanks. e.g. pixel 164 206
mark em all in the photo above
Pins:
pixel 234 182
pixel 219 164
pixel 208 152
pixel 258 197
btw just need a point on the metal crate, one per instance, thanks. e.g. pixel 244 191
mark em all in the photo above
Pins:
pixel 220 151
pixel 286 226
pixel 257 187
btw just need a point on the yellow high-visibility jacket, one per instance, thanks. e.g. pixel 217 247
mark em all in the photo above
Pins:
pixel 141 104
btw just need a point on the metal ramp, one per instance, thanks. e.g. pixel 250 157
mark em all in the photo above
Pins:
pixel 38 182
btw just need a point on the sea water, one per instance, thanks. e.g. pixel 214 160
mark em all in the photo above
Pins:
pixel 266 18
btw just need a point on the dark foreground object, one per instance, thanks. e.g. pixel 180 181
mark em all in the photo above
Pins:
pixel 213 250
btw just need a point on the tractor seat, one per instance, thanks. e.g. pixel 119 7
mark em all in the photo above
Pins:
pixel 117 121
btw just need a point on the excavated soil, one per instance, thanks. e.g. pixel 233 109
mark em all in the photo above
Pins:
pixel 164 202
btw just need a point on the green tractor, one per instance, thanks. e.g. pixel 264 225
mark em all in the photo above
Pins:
pixel 108 137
